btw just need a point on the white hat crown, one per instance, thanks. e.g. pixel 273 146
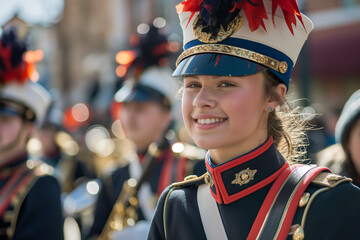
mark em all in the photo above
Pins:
pixel 28 94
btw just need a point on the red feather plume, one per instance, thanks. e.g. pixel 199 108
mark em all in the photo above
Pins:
pixel 254 11
pixel 19 73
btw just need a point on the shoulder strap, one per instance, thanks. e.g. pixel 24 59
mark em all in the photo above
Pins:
pixel 209 213
pixel 277 212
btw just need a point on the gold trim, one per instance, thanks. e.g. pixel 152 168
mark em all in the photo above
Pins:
pixel 165 205
pixel 328 179
pixel 272 204
pixel 206 37
pixel 307 208
pixel 191 179
pixel 236 52
pixel 289 202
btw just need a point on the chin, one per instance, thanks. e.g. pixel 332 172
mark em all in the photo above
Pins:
pixel 207 143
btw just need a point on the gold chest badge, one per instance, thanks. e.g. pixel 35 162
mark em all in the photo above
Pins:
pixel 244 176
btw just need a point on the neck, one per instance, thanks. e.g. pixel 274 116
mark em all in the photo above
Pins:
pixel 224 154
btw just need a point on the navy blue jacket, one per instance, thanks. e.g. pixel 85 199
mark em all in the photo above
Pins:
pixel 35 212
pixel 333 214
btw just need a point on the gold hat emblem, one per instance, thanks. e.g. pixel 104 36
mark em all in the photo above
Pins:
pixel 207 37
pixel 244 176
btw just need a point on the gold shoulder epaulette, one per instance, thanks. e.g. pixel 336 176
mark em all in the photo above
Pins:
pixel 191 179
pixel 328 179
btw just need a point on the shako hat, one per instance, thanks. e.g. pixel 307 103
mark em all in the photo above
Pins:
pixel 241 37
pixel 18 94
pixel 148 76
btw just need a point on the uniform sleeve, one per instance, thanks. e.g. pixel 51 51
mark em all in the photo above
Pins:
pixel 335 214
pixel 40 215
pixel 156 231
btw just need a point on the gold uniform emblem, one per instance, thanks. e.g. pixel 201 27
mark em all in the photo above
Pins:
pixel 244 176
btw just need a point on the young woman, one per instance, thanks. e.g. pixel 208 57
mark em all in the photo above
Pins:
pixel 235 70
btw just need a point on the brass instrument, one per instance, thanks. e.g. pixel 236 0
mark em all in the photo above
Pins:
pixel 124 212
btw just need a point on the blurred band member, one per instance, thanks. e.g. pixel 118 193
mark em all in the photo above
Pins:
pixel 30 206
pixel 148 106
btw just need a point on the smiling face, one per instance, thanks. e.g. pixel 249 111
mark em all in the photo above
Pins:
pixel 227 115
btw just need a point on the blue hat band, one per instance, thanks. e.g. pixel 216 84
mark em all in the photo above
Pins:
pixel 9 108
pixel 240 54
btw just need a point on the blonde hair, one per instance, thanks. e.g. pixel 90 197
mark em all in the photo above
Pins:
pixel 286 124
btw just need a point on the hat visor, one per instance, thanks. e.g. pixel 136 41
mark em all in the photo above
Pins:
pixel 138 93
pixel 218 65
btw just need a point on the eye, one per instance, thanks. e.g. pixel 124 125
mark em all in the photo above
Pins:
pixel 193 85
pixel 226 84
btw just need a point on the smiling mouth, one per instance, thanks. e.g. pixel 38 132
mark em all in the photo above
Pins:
pixel 204 121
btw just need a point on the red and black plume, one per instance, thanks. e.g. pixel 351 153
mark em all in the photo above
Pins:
pixel 150 48
pixel 215 14
pixel 13 66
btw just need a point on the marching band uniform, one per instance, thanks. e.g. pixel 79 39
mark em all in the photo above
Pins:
pixel 258 195
pixel 30 201
pixel 30 205
pixel 170 167
pixel 326 199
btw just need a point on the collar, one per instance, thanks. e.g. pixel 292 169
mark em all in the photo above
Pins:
pixel 246 174
pixel 8 168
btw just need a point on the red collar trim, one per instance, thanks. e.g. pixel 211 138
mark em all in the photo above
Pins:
pixel 224 192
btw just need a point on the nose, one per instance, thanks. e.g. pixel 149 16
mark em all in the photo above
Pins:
pixel 204 99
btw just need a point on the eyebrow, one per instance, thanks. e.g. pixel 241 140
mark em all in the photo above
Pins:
pixel 197 76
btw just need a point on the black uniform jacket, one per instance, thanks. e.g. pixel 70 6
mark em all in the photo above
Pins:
pixel 331 214
pixel 168 169
pixel 32 209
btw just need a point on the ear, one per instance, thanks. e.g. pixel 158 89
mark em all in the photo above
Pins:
pixel 281 90
pixel 278 98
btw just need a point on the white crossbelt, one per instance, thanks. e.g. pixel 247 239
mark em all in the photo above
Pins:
pixel 145 193
pixel 210 216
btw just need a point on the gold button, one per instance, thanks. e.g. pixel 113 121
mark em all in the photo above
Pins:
pixel 304 199
pixel 299 233
pixel 283 66
pixel 209 180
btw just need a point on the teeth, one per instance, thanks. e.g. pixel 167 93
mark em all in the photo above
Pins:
pixel 209 120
